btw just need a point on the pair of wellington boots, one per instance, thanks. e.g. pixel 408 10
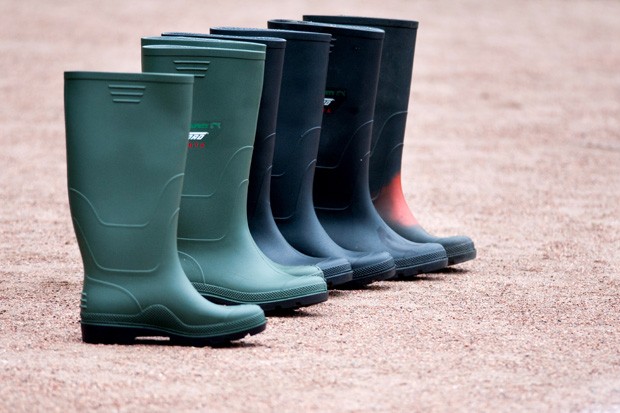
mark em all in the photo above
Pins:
pixel 134 178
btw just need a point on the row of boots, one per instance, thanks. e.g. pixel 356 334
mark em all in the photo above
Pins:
pixel 243 171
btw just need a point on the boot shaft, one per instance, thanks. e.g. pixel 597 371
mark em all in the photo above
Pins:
pixel 227 92
pixel 392 103
pixel 299 116
pixel 342 162
pixel 393 93
pixel 126 148
pixel 264 143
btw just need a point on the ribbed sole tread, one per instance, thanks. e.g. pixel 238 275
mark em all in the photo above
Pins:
pixel 99 334
pixel 287 304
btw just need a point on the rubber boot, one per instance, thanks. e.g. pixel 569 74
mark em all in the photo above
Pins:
pixel 297 138
pixel 126 148
pixel 263 227
pixel 390 117
pixel 178 39
pixel 341 195
pixel 299 269
pixel 217 251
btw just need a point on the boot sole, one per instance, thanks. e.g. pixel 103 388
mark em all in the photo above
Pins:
pixel 339 279
pixel 421 268
pixel 97 334
pixel 457 259
pixel 384 274
pixel 288 304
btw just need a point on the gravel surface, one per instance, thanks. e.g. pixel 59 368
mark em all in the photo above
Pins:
pixel 513 138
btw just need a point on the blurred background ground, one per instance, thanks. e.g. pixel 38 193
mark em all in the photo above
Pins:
pixel 513 138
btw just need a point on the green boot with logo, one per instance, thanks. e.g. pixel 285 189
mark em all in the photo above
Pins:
pixel 179 40
pixel 216 248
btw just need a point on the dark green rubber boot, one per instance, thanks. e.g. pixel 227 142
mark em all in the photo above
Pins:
pixel 126 148
pixel 263 227
pixel 390 117
pixel 341 196
pixel 217 250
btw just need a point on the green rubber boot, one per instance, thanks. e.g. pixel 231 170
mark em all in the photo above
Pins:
pixel 299 270
pixel 126 148
pixel 216 248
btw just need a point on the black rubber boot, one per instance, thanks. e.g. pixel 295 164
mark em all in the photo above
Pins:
pixel 341 195
pixel 389 132
pixel 297 139
pixel 262 225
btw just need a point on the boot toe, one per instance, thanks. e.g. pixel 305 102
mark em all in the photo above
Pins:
pixel 423 258
pixel 459 249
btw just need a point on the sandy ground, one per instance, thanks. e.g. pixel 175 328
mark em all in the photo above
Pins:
pixel 513 139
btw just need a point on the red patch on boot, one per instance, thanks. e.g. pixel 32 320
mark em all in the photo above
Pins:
pixel 392 206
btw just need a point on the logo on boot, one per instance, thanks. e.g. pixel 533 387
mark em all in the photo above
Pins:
pixel 198 131
pixel 334 98
pixel 197 136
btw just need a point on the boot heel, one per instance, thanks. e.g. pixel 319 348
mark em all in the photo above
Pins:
pixel 107 335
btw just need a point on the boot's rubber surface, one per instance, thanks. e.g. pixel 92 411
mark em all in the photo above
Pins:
pixel 297 138
pixel 390 116
pixel 265 232
pixel 217 251
pixel 126 147
pixel 341 195
pixel 180 39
